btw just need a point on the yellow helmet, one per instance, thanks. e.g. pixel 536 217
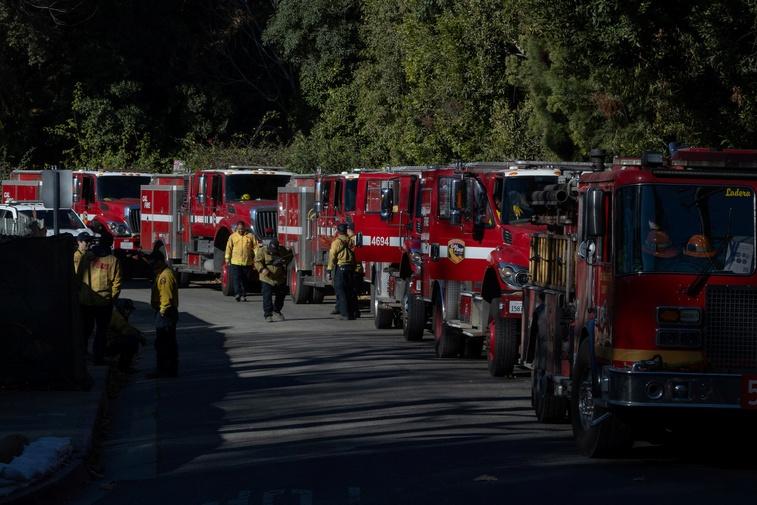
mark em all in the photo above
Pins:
pixel 658 244
pixel 699 246
pixel 246 197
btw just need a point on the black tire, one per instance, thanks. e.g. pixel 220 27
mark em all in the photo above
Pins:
pixel 184 279
pixel 317 295
pixel 612 437
pixel 414 315
pixel 473 347
pixel 503 342
pixel 548 407
pixel 382 318
pixel 297 289
pixel 447 340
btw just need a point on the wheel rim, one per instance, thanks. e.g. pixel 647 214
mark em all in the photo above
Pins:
pixel 293 282
pixel 586 400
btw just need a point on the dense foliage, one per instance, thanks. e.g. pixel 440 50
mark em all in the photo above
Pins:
pixel 345 83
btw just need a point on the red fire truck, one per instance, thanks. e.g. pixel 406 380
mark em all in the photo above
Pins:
pixel 473 258
pixel 20 190
pixel 377 202
pixel 641 297
pixel 192 216
pixel 107 202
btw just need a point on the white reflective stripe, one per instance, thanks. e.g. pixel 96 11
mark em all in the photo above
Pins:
pixel 160 218
pixel 366 240
pixel 326 231
pixel 207 219
pixel 425 248
pixel 478 253
pixel 395 241
pixel 424 236
pixel 293 230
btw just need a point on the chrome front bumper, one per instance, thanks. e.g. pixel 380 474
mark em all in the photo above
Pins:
pixel 629 388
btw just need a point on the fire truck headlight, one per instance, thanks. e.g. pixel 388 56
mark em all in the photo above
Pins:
pixel 118 229
pixel 513 275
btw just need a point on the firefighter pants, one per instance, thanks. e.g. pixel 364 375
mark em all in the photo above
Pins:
pixel 240 277
pixel 166 348
pixel 96 317
pixel 344 278
pixel 273 298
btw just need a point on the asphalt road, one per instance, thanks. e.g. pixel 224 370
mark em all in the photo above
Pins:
pixel 318 411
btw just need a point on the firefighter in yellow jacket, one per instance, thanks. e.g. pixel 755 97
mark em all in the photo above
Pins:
pixel 240 255
pixel 99 274
pixel 165 302
pixel 271 263
pixel 341 268
pixel 83 241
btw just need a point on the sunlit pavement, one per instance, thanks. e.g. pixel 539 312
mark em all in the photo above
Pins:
pixel 318 411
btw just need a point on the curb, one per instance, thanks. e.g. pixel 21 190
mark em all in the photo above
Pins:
pixel 64 482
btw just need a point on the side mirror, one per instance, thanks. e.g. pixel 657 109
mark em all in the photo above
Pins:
pixel 359 239
pixel 77 190
pixel 201 190
pixel 387 203
pixel 595 213
pixel 456 200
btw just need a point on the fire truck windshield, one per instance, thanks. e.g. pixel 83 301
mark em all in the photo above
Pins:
pixel 685 229
pixel 512 204
pixel 115 187
pixel 258 187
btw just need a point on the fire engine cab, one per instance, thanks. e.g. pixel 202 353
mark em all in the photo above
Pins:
pixel 377 202
pixel 473 225
pixel 641 296
pixel 192 216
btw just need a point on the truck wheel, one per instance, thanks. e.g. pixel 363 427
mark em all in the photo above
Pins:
pixel 502 349
pixel 414 317
pixel 610 437
pixel 226 287
pixel 317 295
pixel 297 288
pixel 382 318
pixel 473 347
pixel 184 279
pixel 548 407
pixel 447 340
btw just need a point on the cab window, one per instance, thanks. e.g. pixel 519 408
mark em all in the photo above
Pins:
pixel 373 196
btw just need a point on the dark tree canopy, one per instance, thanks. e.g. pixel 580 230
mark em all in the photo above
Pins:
pixel 337 84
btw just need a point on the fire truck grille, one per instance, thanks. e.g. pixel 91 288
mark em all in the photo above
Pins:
pixel 731 328
pixel 265 224
pixel 133 218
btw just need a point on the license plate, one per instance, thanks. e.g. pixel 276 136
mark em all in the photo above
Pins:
pixel 516 307
pixel 127 245
pixel 749 392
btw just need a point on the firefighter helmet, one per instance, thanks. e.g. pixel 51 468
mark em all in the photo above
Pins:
pixel 699 246
pixel 246 197
pixel 658 244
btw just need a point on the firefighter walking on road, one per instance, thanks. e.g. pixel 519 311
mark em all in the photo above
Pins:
pixel 271 263
pixel 99 275
pixel 240 255
pixel 341 268
pixel 165 302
